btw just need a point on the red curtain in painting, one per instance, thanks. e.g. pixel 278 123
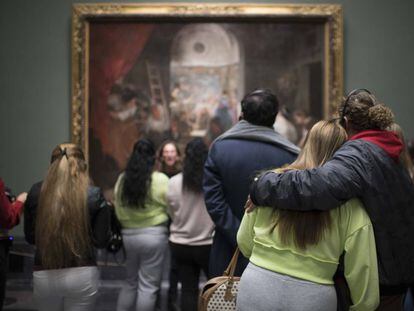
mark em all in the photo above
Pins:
pixel 114 49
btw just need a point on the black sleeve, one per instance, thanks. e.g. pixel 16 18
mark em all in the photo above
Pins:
pixel 30 208
pixel 323 188
pixel 100 213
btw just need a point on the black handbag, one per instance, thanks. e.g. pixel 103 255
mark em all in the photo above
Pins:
pixel 115 243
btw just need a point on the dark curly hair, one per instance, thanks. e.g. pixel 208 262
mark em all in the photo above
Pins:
pixel 195 155
pixel 137 179
pixel 260 107
pixel 365 112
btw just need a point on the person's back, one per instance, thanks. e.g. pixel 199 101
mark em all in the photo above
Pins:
pixel 239 161
pixel 191 229
pixel 66 218
pixel 234 158
pixel 154 210
pixel 386 200
pixel 140 205
pixel 350 234
pixel 304 248
pixel 191 224
pixel 368 167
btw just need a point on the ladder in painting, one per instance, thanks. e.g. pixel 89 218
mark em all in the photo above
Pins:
pixel 156 89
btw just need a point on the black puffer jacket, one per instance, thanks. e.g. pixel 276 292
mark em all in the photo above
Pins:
pixel 99 219
pixel 358 169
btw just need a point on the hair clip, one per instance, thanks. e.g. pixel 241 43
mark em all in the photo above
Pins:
pixel 64 153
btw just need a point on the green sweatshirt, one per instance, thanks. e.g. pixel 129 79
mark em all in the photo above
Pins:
pixel 351 232
pixel 155 210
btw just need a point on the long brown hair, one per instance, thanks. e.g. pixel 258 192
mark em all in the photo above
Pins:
pixel 405 155
pixel 308 228
pixel 62 230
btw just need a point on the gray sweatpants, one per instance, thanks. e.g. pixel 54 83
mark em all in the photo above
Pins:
pixel 264 290
pixel 145 252
pixel 70 289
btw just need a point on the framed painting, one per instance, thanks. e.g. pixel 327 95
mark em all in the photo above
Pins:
pixel 177 71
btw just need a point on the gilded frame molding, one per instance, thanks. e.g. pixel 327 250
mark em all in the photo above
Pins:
pixel 82 14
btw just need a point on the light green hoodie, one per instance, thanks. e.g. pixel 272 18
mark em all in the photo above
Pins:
pixel 351 232
pixel 155 210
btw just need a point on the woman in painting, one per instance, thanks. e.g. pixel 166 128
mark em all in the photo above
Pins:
pixel 140 204
pixel 66 217
pixel 294 255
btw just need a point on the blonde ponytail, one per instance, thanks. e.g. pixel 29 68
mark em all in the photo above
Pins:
pixel 62 226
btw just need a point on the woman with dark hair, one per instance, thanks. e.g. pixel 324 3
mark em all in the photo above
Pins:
pixel 294 255
pixel 191 227
pixel 66 217
pixel 169 158
pixel 140 205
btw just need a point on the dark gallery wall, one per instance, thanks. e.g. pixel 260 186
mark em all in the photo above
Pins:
pixel 35 73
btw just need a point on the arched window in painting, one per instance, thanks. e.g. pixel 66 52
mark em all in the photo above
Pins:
pixel 206 81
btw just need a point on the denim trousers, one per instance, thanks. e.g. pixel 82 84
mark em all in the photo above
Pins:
pixel 145 253
pixel 70 289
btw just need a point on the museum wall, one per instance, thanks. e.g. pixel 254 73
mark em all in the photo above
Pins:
pixel 35 73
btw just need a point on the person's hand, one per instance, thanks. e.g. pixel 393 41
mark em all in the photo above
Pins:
pixel 22 197
pixel 249 206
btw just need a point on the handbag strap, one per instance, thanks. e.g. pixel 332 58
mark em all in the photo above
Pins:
pixel 232 265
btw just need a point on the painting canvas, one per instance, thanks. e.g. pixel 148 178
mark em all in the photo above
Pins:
pixel 179 78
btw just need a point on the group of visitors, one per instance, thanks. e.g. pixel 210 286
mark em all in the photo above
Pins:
pixel 327 227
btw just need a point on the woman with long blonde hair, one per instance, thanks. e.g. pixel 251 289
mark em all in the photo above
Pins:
pixel 62 215
pixel 294 255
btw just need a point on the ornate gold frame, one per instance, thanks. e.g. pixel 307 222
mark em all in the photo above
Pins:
pixel 330 14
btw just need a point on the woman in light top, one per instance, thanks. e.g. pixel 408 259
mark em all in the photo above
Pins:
pixel 294 255
pixel 140 204
pixel 191 229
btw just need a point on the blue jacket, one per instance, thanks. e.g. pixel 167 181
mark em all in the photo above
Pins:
pixel 360 168
pixel 229 169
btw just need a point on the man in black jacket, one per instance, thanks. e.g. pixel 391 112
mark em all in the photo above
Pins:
pixel 234 158
pixel 366 166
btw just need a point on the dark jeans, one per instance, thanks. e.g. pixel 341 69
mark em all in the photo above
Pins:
pixel 173 280
pixel 4 263
pixel 190 260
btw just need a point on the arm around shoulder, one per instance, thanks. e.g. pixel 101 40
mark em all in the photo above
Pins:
pixel 322 188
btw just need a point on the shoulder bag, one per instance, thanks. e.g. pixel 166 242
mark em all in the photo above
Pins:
pixel 220 293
